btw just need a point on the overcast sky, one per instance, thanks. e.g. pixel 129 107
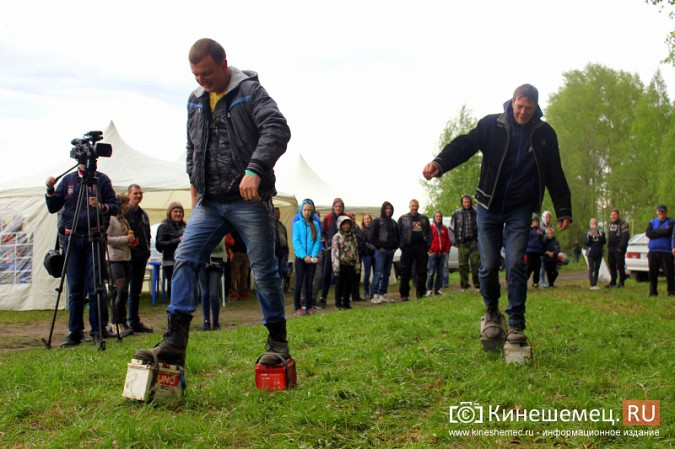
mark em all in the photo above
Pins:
pixel 366 86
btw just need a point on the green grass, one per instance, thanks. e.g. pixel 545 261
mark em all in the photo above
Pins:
pixel 371 377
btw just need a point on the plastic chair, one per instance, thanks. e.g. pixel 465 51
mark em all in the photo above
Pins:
pixel 156 281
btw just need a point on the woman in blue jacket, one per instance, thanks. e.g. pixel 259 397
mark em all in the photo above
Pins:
pixel 306 246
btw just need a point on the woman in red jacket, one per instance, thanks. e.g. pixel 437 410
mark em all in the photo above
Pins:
pixel 438 254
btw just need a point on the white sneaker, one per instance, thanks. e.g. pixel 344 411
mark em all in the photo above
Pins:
pixel 384 298
pixel 377 299
pixel 595 287
pixel 429 293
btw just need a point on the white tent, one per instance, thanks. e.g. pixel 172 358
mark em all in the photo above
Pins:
pixel 28 231
pixel 295 175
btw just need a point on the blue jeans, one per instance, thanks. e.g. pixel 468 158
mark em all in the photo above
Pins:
pixel 368 262
pixel 510 229
pixel 80 277
pixel 435 271
pixel 209 223
pixel 210 285
pixel 383 261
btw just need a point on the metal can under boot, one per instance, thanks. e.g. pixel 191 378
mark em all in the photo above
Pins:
pixel 280 376
pixel 517 348
pixel 149 383
pixel 275 369
pixel 173 346
pixel 492 331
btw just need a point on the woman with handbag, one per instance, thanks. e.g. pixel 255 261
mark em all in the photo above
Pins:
pixel 120 240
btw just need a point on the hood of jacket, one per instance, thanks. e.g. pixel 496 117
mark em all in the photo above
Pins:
pixel 302 204
pixel 342 219
pixel 461 200
pixel 384 206
pixel 236 78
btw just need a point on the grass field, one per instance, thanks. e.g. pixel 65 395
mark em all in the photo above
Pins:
pixel 372 377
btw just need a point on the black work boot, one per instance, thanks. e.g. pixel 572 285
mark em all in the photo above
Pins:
pixel 276 344
pixel 172 347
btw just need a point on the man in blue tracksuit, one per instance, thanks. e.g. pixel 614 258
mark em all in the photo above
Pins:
pixel 660 255
pixel 520 159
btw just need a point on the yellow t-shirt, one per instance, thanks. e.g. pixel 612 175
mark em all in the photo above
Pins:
pixel 214 97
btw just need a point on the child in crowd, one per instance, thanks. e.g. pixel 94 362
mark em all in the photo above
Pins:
pixel 306 245
pixel 594 240
pixel 551 251
pixel 345 259
pixel 534 251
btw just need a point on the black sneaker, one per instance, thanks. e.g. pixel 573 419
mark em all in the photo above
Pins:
pixel 206 326
pixel 73 339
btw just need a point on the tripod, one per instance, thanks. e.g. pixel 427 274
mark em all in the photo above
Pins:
pixel 96 239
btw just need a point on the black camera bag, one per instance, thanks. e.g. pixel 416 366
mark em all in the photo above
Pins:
pixel 54 261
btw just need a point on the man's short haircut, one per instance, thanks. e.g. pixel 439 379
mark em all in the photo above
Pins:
pixel 617 211
pixel 206 47
pixel 528 91
pixel 133 186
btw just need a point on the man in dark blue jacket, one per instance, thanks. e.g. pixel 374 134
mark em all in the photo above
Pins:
pixel 660 233
pixel 79 232
pixel 236 134
pixel 520 159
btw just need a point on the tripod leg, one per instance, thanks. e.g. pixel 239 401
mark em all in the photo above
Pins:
pixel 48 342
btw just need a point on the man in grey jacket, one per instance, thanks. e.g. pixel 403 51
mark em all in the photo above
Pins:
pixel 236 134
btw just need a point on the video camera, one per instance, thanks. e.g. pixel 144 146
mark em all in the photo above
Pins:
pixel 89 148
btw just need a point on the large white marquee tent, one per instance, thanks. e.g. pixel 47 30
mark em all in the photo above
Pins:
pixel 28 231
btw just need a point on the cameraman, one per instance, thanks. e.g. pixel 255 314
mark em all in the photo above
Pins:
pixel 80 268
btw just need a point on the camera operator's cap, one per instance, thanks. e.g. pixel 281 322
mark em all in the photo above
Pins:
pixel 662 208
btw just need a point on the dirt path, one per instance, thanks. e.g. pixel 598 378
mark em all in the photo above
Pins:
pixel 18 334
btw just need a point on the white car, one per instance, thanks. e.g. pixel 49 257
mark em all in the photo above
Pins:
pixel 636 257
